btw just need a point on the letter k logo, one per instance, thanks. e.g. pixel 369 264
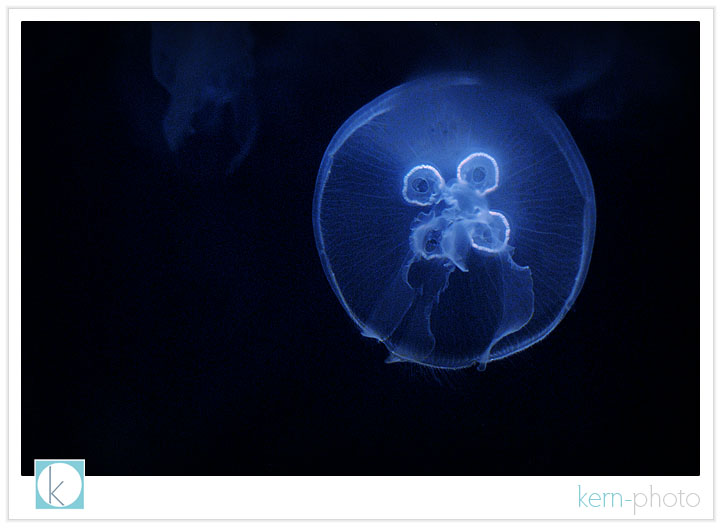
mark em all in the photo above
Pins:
pixel 59 484
pixel 51 491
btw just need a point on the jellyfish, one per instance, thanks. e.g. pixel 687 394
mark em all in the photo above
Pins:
pixel 207 69
pixel 454 221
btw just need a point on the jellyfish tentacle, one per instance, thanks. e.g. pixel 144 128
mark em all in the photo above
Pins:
pixel 413 337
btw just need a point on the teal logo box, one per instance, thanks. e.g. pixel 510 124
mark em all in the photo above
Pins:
pixel 60 484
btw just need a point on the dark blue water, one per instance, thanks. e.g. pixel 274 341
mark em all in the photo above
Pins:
pixel 175 308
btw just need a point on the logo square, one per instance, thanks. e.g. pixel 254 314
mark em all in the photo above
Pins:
pixel 60 484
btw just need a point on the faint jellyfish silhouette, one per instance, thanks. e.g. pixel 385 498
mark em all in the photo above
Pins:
pixel 207 69
pixel 553 61
pixel 454 221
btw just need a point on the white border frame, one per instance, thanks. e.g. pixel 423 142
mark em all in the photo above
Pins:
pixel 396 497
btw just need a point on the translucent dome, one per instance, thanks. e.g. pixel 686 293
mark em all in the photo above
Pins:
pixel 207 68
pixel 455 221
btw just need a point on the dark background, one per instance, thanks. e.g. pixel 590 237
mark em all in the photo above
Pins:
pixel 176 318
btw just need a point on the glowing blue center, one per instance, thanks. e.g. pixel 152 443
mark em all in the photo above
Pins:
pixel 460 220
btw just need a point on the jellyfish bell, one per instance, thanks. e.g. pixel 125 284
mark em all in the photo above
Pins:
pixel 454 221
